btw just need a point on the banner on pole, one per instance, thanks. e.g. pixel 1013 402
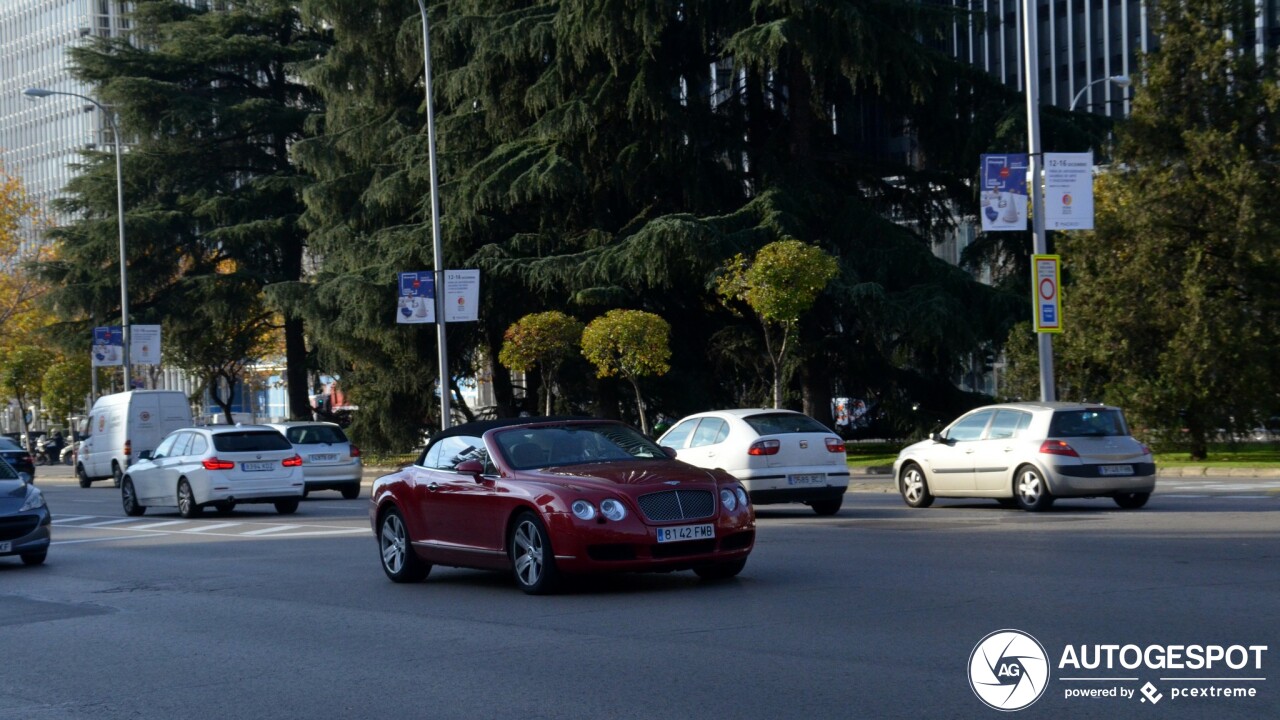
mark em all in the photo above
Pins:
pixel 1003 192
pixel 144 344
pixel 417 302
pixel 461 295
pixel 1068 191
pixel 108 346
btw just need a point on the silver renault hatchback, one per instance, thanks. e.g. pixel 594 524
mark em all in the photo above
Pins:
pixel 329 459
pixel 1029 454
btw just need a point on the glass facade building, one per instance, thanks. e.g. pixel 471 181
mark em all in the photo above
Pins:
pixel 1081 42
pixel 41 139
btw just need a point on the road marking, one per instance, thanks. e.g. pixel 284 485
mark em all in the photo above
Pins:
pixel 106 539
pixel 107 522
pixel 156 525
pixel 272 529
pixel 207 528
pixel 59 521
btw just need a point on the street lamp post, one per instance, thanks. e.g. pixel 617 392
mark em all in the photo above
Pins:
pixel 1121 81
pixel 124 266
pixel 437 249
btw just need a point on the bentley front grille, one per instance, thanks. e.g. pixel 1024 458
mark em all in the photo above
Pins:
pixel 677 505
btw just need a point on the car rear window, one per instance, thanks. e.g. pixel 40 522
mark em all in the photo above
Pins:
pixel 780 423
pixel 315 434
pixel 7 444
pixel 250 441
pixel 1092 422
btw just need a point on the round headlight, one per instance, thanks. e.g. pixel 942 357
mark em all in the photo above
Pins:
pixel 727 499
pixel 583 510
pixel 613 509
pixel 741 495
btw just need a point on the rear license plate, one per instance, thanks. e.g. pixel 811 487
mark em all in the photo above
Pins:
pixel 6 547
pixel 1115 469
pixel 686 532
pixel 809 479
pixel 323 457
pixel 257 466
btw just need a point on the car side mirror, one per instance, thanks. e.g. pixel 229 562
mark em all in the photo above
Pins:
pixel 474 468
pixel 938 438
pixel 26 478
pixel 145 455
pixel 670 451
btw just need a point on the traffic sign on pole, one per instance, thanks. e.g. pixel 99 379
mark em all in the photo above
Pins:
pixel 1048 293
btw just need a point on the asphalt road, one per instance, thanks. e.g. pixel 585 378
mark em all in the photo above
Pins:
pixel 872 613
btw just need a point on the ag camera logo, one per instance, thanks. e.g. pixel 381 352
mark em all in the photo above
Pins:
pixel 1008 670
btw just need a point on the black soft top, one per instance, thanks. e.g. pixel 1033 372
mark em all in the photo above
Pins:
pixel 480 427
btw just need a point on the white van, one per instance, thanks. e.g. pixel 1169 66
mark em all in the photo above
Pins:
pixel 122 425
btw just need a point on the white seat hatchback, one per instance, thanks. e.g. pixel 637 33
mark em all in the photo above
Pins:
pixel 219 466
pixel 779 456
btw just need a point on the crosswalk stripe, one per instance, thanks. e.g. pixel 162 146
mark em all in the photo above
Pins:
pixel 107 522
pixel 156 525
pixel 208 528
pixel 272 529
pixel 59 521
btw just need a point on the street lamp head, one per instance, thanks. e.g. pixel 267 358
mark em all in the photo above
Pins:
pixel 37 92
pixel 1120 80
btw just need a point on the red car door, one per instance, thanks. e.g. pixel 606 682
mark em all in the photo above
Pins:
pixel 461 516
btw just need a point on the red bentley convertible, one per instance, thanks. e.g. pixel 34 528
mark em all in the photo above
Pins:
pixel 547 497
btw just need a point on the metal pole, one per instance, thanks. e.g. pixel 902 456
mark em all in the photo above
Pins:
pixel 437 250
pixel 124 265
pixel 1040 246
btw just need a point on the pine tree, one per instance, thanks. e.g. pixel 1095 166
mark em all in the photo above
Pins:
pixel 210 104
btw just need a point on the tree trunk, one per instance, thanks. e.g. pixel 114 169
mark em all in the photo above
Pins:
pixel 547 389
pixel 218 400
pixel 644 420
pixel 295 369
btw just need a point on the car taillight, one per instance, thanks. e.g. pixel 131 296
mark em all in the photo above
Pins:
pixel 1057 447
pixel 294 461
pixel 1145 449
pixel 214 463
pixel 764 447
pixel 355 451
pixel 835 445
pixel 128 448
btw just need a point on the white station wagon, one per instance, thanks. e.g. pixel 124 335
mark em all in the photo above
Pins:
pixel 218 466
pixel 1028 454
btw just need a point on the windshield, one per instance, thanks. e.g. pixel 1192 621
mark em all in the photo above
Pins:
pixel 528 448
pixel 6 470
pixel 1092 422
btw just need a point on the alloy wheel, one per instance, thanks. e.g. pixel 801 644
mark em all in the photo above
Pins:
pixel 530 555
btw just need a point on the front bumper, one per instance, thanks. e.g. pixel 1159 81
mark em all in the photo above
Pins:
pixel 632 546
pixel 27 532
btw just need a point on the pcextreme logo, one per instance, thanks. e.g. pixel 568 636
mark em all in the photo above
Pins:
pixel 1009 670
